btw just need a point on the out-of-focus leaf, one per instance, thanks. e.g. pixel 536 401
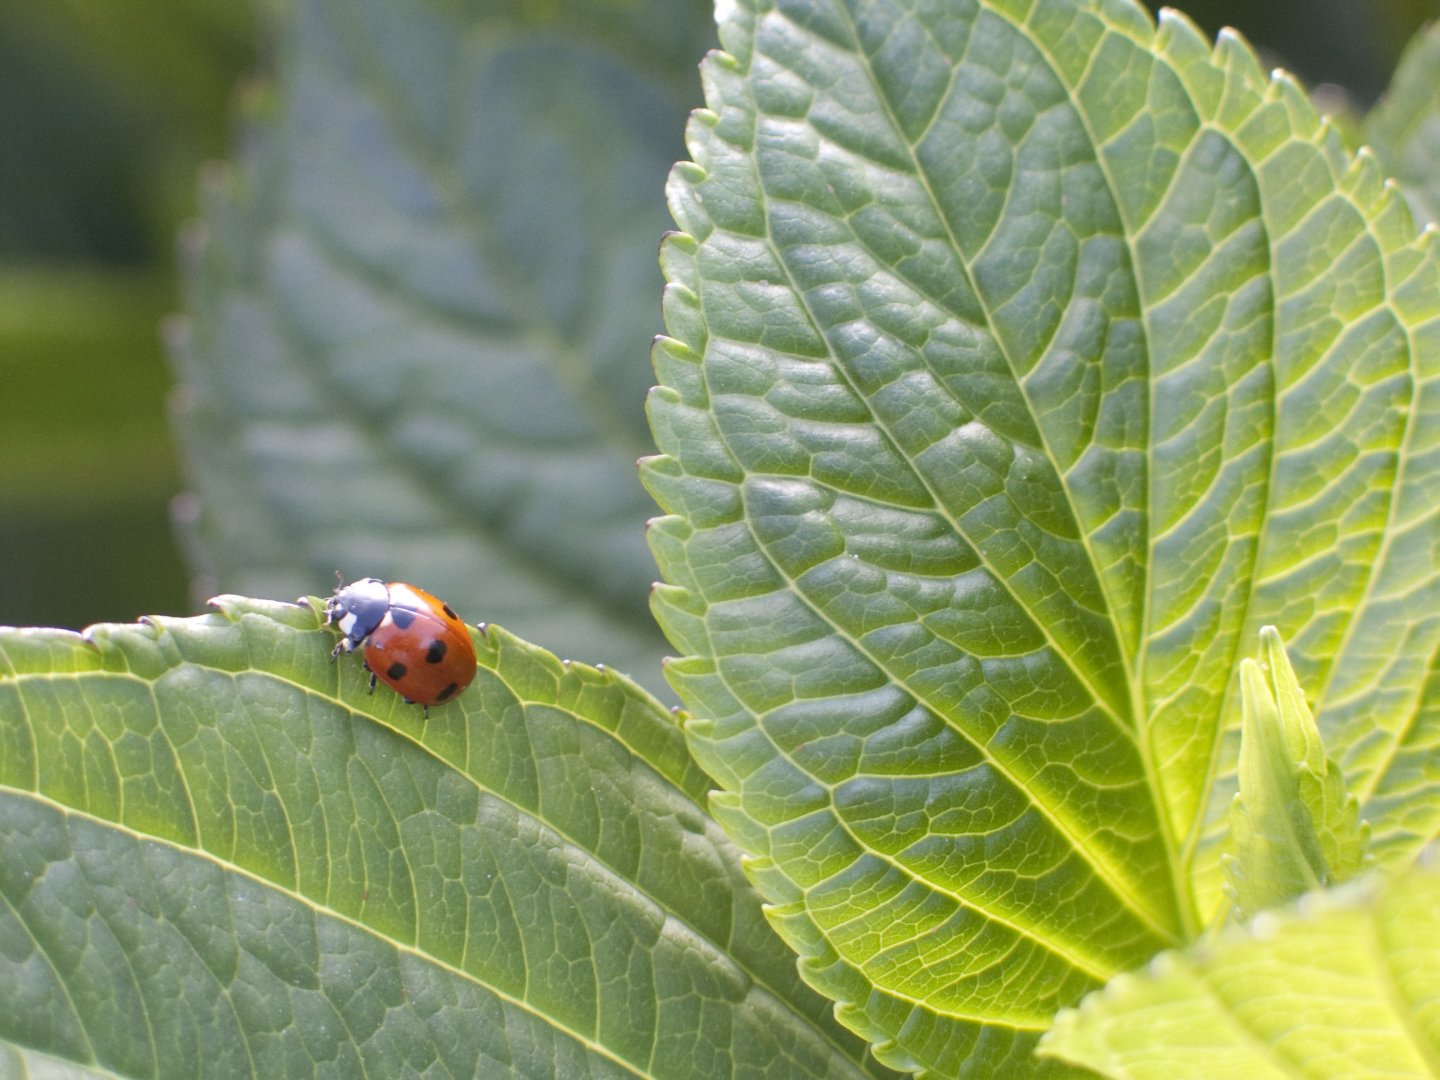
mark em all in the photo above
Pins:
pixel 1346 985
pixel 1025 359
pixel 86 466
pixel 1294 827
pixel 177 58
pixel 1404 128
pixel 105 112
pixel 219 856
pixel 419 305
pixel 82 406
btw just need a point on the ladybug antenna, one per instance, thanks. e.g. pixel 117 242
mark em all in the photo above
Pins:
pixel 339 580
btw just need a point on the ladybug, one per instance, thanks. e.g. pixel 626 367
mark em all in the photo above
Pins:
pixel 413 641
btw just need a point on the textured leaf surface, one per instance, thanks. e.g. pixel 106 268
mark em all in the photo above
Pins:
pixel 1345 986
pixel 419 307
pixel 220 857
pixel 1024 361
pixel 1404 128
pixel 1293 826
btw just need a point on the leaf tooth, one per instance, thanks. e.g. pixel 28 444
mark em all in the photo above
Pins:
pixel 677 261
pixel 1176 33
pixel 1367 182
pixel 699 727
pixel 690 435
pixel 680 302
pixel 675 242
pixel 684 202
pixel 1303 116
pixel 677 366
pixel 689 172
pixel 675 610
pixel 786 900
pixel 1234 53
pixel 742 828
pixel 722 60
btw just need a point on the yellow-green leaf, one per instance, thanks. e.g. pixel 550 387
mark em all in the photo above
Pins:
pixel 1343 986
pixel 1293 825
pixel 1025 358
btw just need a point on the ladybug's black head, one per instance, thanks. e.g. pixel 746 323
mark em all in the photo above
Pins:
pixel 358 608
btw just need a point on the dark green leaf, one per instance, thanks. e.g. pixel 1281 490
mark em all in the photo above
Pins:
pixel 219 856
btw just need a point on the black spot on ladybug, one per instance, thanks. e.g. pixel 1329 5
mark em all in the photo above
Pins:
pixel 402 617
pixel 449 611
pixel 445 694
pixel 436 652
pixel 396 670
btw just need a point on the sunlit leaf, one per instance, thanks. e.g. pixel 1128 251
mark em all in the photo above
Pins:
pixel 1024 360
pixel 1347 985
pixel 1294 827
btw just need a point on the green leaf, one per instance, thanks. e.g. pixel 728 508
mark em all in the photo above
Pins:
pixel 108 110
pixel 1345 985
pixel 419 305
pixel 82 417
pixel 84 381
pixel 1404 128
pixel 1294 826
pixel 1024 360
pixel 220 856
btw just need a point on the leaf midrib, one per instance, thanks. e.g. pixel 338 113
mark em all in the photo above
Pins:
pixel 1133 896
pixel 1180 850
pixel 581 377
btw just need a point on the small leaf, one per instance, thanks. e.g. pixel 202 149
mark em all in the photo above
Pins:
pixel 1294 826
pixel 1404 129
pixel 1344 985
pixel 220 856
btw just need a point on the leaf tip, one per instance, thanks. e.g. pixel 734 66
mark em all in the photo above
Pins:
pixel 678 239
pixel 691 173
pixel 698 726
pixel 227 604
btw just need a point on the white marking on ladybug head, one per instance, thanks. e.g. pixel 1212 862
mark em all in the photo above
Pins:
pixel 371 590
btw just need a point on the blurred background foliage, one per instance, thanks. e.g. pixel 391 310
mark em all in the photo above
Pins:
pixel 107 112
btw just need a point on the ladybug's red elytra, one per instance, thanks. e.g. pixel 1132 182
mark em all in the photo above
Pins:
pixel 414 642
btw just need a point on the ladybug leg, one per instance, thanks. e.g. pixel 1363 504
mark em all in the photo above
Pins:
pixel 345 645
pixel 372 676
pixel 425 710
